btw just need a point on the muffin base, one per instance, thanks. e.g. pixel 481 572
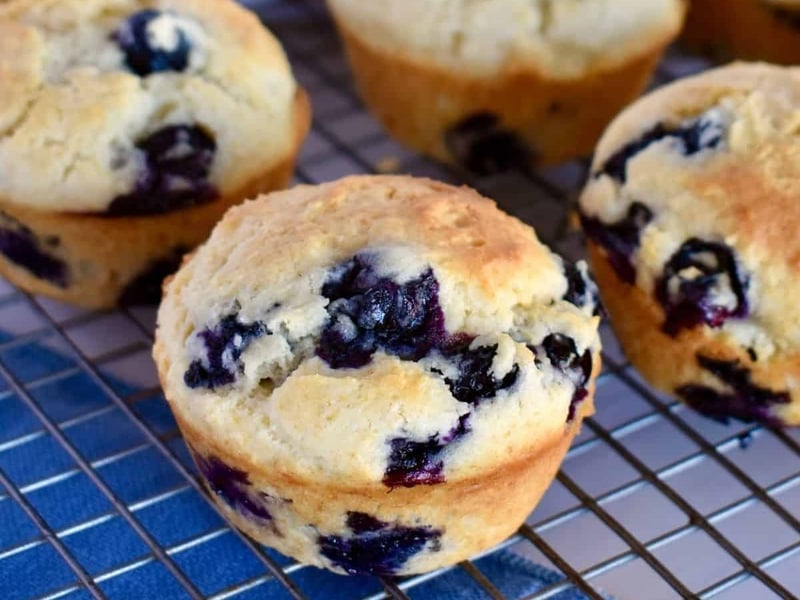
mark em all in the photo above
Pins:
pixel 744 29
pixel 668 363
pixel 106 257
pixel 472 514
pixel 557 120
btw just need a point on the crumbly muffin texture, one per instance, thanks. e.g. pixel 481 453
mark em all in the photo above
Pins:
pixel 692 200
pixel 137 106
pixel 369 335
pixel 563 39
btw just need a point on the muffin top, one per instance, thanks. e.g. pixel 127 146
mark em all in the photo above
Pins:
pixel 561 40
pixel 693 196
pixel 137 106
pixel 378 331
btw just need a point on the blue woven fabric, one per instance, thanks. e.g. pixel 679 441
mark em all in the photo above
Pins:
pixel 513 575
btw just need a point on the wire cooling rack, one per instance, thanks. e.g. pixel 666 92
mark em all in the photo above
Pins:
pixel 98 496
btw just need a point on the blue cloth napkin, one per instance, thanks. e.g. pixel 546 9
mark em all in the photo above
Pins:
pixel 513 575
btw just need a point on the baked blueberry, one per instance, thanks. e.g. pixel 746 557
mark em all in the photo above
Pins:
pixel 562 353
pixel 224 345
pixel 176 164
pixel 154 41
pixel 691 137
pixel 745 400
pixel 146 287
pixel 375 547
pixel 370 313
pixel 621 239
pixel 414 463
pixel 483 147
pixel 476 380
pixel 702 283
pixel 581 289
pixel 233 487
pixel 22 247
pixel 360 523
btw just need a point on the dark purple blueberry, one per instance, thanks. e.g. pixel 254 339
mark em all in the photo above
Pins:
pixel 694 136
pixel 360 523
pixel 139 44
pixel 744 401
pixel 621 239
pixel 370 313
pixel 224 345
pixel 693 279
pixel 174 173
pixel 376 547
pixel 581 289
pixel 22 247
pixel 476 381
pixel 146 288
pixel 414 463
pixel 579 396
pixel 234 488
pixel 483 147
pixel 562 353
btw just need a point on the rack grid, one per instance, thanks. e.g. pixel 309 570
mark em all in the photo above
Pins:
pixel 98 496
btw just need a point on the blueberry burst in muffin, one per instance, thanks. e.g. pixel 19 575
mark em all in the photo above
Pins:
pixel 365 391
pixel 690 213
pixel 126 131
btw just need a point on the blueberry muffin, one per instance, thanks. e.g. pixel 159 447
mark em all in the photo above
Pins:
pixel 692 218
pixel 501 84
pixel 127 128
pixel 377 375
pixel 749 29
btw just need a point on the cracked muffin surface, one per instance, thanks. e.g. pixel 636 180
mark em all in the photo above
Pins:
pixel 130 126
pixel 375 347
pixel 85 83
pixel 691 215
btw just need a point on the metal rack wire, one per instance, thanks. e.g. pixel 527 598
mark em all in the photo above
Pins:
pixel 98 497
